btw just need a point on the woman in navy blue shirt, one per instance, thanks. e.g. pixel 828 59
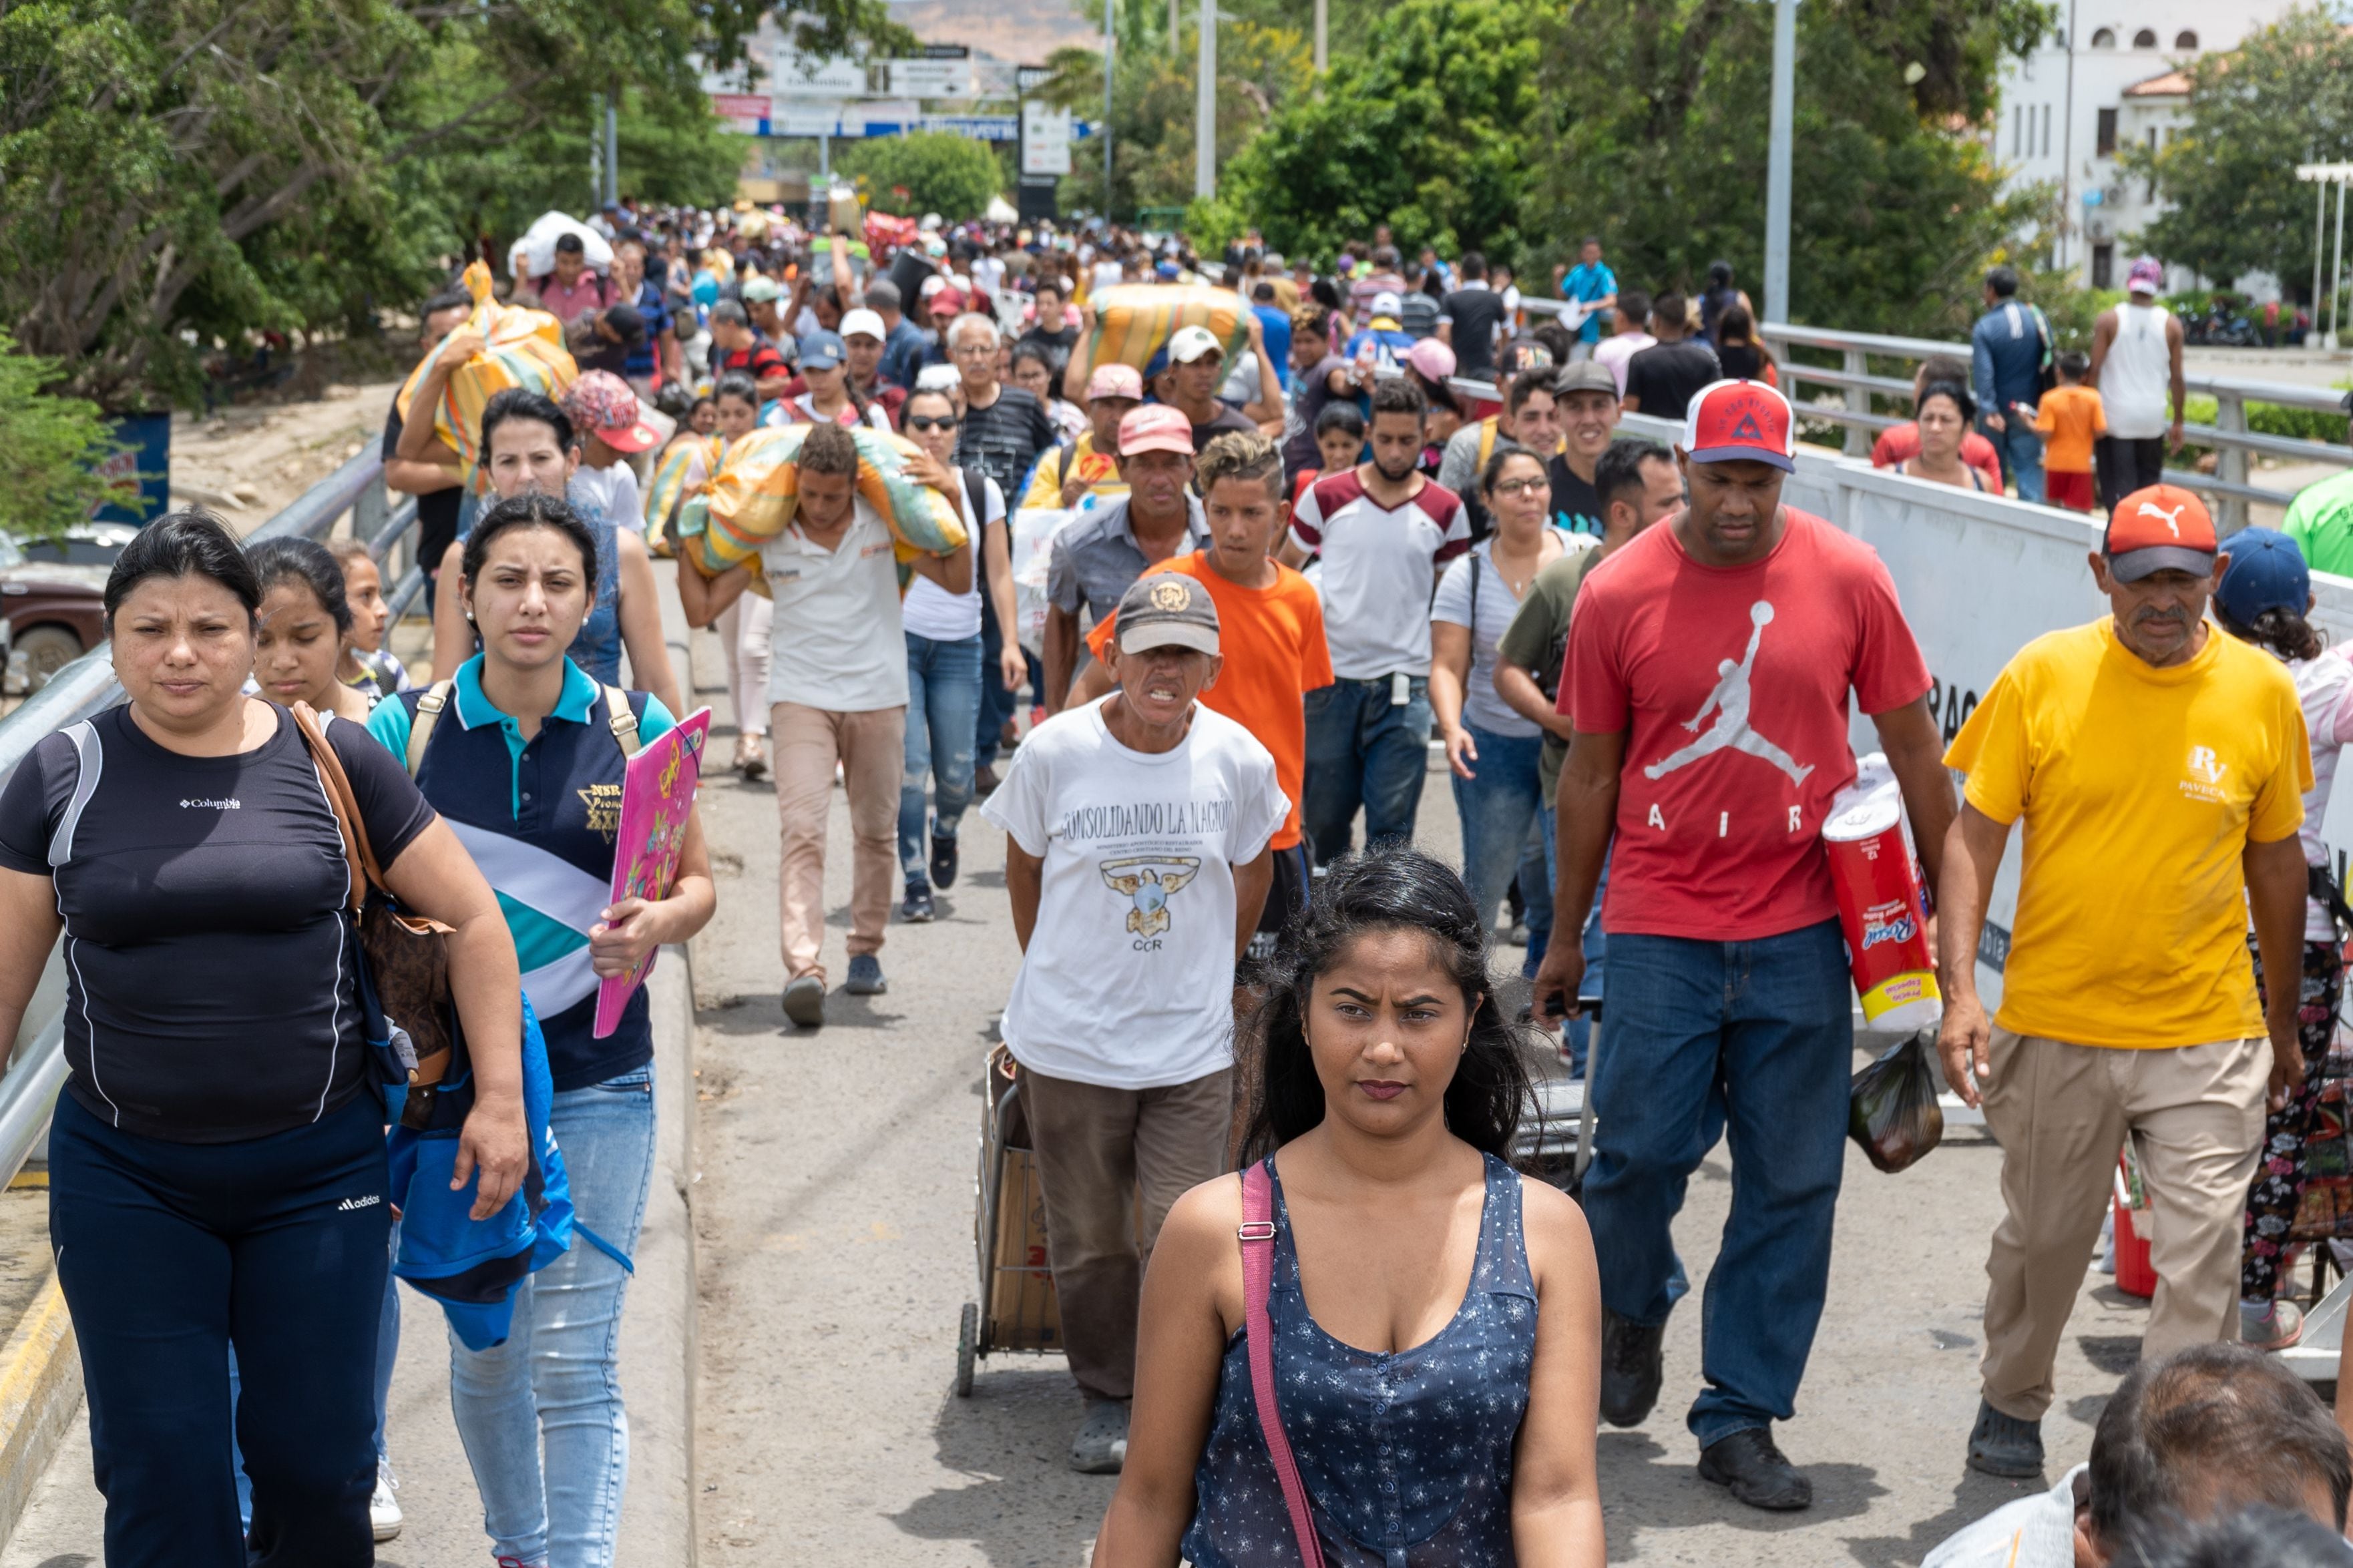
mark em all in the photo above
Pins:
pixel 1435 1318
pixel 217 1164
pixel 523 754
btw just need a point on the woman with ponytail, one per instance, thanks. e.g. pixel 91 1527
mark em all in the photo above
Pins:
pixel 1432 1318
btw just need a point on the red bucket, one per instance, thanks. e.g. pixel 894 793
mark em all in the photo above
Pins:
pixel 2135 1275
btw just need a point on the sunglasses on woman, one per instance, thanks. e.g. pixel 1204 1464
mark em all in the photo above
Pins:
pixel 932 422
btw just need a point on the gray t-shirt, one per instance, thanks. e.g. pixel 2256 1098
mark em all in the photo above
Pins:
pixel 1095 558
pixel 1495 607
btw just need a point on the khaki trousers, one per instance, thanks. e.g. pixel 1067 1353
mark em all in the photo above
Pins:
pixel 872 748
pixel 1096 1149
pixel 2061 1113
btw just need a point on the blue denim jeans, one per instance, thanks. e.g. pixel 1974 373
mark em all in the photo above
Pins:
pixel 1500 807
pixel 1704 1039
pixel 555 1381
pixel 997 700
pixel 943 699
pixel 2021 457
pixel 1363 750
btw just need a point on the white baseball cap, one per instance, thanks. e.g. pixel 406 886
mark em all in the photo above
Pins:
pixel 931 285
pixel 1386 303
pixel 864 321
pixel 1190 344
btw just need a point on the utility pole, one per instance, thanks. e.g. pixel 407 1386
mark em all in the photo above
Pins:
pixel 1323 35
pixel 1205 105
pixel 1172 29
pixel 1110 48
pixel 1776 166
pixel 613 148
pixel 596 157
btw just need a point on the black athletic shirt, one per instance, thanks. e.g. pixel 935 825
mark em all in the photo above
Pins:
pixel 1004 439
pixel 209 971
pixel 1667 376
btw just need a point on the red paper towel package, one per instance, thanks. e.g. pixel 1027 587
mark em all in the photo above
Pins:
pixel 1881 910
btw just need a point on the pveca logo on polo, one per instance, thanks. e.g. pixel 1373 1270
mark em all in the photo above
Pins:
pixel 2203 777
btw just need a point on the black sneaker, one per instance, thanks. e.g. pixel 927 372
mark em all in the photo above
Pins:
pixel 915 909
pixel 2005 1446
pixel 1633 1365
pixel 943 861
pixel 1756 1472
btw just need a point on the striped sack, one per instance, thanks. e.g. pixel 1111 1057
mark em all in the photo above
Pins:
pixel 752 498
pixel 1135 321
pixel 525 348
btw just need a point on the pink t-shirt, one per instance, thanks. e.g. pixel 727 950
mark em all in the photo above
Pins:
pixel 587 293
pixel 1732 683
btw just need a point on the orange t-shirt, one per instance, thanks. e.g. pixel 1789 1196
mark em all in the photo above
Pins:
pixel 2069 417
pixel 1272 639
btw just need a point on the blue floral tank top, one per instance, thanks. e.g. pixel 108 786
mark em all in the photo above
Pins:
pixel 1405 1454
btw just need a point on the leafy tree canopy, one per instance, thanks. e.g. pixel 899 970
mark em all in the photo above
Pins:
pixel 2283 97
pixel 49 448
pixel 939 172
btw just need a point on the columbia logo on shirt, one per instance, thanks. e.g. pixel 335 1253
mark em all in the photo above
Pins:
pixel 194 803
pixel 368 1201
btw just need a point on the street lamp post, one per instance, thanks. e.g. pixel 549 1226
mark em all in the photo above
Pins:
pixel 1777 165
pixel 1205 105
pixel 2324 176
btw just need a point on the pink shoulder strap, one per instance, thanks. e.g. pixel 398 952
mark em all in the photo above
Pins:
pixel 1258 1335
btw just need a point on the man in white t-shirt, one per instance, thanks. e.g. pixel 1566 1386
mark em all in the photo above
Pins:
pixel 1384 532
pixel 1136 854
pixel 838 694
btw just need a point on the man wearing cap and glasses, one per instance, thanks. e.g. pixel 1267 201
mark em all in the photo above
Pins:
pixel 1094 559
pixel 1710 664
pixel 1137 856
pixel 2136 364
pixel 2159 766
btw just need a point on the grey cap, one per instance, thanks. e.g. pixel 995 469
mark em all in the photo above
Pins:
pixel 1167 609
pixel 1584 375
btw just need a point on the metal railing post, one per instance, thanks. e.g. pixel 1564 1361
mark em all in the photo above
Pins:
pixel 2231 468
pixel 369 509
pixel 1858 401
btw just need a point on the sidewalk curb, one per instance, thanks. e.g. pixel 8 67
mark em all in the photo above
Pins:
pixel 40 1389
pixel 660 1333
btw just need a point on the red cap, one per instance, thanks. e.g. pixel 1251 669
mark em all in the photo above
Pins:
pixel 1741 421
pixel 1155 428
pixel 2161 527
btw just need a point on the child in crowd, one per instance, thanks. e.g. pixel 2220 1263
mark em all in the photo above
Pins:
pixel 1340 442
pixel 367 665
pixel 2070 415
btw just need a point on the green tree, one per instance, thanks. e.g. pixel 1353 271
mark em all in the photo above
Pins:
pixel 1655 132
pixel 49 448
pixel 940 172
pixel 2283 97
pixel 211 167
pixel 1425 130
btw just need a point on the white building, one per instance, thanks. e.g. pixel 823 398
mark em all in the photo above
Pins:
pixel 2109 78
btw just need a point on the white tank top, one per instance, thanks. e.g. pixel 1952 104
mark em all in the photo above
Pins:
pixel 2137 373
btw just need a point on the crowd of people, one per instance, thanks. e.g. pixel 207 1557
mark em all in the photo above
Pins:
pixel 1265 1054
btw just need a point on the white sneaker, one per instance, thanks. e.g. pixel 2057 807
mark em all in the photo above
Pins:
pixel 383 1509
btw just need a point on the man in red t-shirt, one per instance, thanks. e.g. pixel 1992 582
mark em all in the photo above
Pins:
pixel 1709 666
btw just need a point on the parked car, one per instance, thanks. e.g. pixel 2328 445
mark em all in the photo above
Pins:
pixel 51 593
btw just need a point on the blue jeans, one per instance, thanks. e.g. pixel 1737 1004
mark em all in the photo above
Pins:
pixel 1500 807
pixel 1579 1033
pixel 997 699
pixel 2021 457
pixel 1753 1039
pixel 944 692
pixel 1364 750
pixel 554 1382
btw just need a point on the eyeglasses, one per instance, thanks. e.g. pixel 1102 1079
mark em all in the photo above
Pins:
pixel 1521 486
pixel 974 350
pixel 930 421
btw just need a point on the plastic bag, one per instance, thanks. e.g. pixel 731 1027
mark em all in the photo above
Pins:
pixel 521 348
pixel 1135 321
pixel 1893 1113
pixel 1032 541
pixel 533 256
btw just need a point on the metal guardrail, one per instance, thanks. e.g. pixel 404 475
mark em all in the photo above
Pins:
pixel 87 687
pixel 2232 441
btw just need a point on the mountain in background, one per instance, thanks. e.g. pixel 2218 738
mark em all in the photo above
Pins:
pixel 1025 31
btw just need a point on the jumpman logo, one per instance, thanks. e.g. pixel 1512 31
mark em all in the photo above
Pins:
pixel 1730 703
pixel 2171 519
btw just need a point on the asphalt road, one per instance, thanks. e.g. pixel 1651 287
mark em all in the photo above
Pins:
pixel 834 1215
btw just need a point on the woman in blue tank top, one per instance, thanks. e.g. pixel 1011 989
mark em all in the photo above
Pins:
pixel 1435 1318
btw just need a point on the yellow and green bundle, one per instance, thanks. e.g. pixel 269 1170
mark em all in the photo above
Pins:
pixel 523 348
pixel 752 498
pixel 683 473
pixel 1135 321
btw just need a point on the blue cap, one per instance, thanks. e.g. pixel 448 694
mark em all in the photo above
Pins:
pixel 2266 572
pixel 823 351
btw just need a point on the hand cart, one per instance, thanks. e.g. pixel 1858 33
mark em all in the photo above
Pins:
pixel 1556 1143
pixel 1016 1310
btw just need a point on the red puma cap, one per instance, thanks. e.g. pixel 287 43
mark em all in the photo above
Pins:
pixel 1737 421
pixel 2161 527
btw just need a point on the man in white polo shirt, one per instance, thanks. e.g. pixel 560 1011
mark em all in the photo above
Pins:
pixel 1384 533
pixel 838 686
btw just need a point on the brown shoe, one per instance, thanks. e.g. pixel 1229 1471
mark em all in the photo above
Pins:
pixel 984 782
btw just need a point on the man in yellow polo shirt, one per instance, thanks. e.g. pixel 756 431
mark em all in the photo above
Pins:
pixel 2159 766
